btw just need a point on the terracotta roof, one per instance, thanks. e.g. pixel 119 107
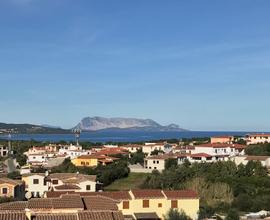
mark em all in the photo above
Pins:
pixel 72 177
pixel 146 215
pixel 117 195
pixel 200 155
pixel 181 194
pixel 68 202
pixel 67 187
pixel 19 205
pixel 4 180
pixel 117 215
pixel 151 193
pixel 100 203
pixel 259 135
pixel 8 215
pixel 32 174
pixel 220 145
pixel 38 204
pixel 261 158
pixel 58 216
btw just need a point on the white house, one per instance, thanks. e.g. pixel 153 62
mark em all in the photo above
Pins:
pixel 132 148
pixel 37 184
pixel 265 160
pixel 257 138
pixel 147 148
pixel 73 151
pixel 219 149
pixel 157 162
pixel 37 159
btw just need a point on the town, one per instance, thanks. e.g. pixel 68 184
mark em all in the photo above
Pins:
pixel 80 182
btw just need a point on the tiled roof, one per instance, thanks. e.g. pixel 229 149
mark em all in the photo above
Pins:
pixel 200 155
pixel 117 195
pixel 19 205
pixel 8 215
pixel 259 135
pixel 261 158
pixel 40 204
pixel 58 216
pixel 72 177
pixel 100 215
pixel 143 194
pixel 181 194
pixel 68 202
pixel 67 187
pixel 162 157
pixel 219 145
pixel 4 180
pixel 100 203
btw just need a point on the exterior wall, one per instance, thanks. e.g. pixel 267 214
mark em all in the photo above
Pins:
pixel 37 158
pixel 154 164
pixel 3 151
pixel 10 190
pixel 223 140
pixel 35 189
pixel 258 139
pixel 189 206
pixel 148 148
pixel 215 151
pixel 88 162
pixel 83 185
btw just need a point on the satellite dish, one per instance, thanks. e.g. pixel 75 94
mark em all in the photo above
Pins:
pixel 28 195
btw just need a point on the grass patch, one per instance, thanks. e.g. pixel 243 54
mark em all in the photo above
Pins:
pixel 133 181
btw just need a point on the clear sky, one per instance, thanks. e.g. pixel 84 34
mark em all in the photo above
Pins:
pixel 204 65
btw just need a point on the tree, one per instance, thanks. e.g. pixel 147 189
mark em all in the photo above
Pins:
pixel 232 215
pixel 174 214
pixel 170 163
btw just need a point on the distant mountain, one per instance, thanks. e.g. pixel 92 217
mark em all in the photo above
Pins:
pixel 31 129
pixel 100 123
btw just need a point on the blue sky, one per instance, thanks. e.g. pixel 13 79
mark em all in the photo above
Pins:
pixel 201 64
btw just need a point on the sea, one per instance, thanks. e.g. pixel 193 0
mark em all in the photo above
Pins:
pixel 121 136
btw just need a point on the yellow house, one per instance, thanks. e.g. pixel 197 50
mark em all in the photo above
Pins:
pixel 145 204
pixel 155 204
pixel 11 188
pixel 86 160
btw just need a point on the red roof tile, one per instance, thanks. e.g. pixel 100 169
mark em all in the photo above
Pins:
pixel 181 194
pixel 151 193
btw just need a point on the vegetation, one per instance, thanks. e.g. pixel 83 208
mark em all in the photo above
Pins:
pixel 137 157
pixel 174 214
pixel 258 150
pixel 220 185
pixel 105 174
pixel 133 181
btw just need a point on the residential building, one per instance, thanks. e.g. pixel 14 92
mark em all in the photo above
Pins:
pixel 222 140
pixel 132 148
pixel 157 162
pixel 71 182
pixel 219 150
pixel 265 160
pixel 68 207
pixel 3 151
pixel 141 204
pixel 92 160
pixel 37 184
pixel 73 151
pixel 11 188
pixel 257 138
pixel 37 159
pixel 147 148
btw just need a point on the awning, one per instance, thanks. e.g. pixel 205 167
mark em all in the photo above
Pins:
pixel 146 216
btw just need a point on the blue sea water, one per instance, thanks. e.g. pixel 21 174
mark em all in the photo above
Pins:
pixel 121 136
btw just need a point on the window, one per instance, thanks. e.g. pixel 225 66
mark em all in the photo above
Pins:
pixel 83 163
pixel 87 163
pixel 154 161
pixel 174 204
pixel 55 182
pixel 35 181
pixel 4 191
pixel 145 203
pixel 155 168
pixel 125 204
pixel 160 205
pixel 157 161
pixel 88 187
